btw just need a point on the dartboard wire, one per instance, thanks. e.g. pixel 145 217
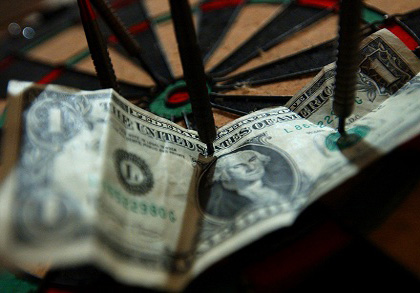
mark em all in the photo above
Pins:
pixel 240 104
pixel 126 39
pixel 411 34
pixel 271 98
pixel 214 20
pixel 301 64
pixel 187 121
pixel 228 109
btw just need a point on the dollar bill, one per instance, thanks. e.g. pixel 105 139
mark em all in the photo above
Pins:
pixel 387 64
pixel 87 176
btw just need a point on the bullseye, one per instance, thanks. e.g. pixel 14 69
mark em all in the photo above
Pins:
pixel 173 102
pixel 177 98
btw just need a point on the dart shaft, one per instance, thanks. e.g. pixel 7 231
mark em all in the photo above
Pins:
pixel 97 47
pixel 124 37
pixel 341 125
pixel 194 74
pixel 348 59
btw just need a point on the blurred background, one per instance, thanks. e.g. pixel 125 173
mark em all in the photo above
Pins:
pixel 25 13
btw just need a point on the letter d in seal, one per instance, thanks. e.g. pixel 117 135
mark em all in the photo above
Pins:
pixel 133 173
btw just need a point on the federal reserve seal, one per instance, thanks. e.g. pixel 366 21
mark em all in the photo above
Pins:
pixel 133 172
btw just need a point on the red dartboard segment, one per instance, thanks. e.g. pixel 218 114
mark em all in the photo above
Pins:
pixel 50 77
pixel 219 4
pixel 402 34
pixel 121 3
pixel 140 27
pixel 332 4
pixel 134 29
pixel 6 62
pixel 178 98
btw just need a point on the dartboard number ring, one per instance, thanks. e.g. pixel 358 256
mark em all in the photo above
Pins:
pixel 133 172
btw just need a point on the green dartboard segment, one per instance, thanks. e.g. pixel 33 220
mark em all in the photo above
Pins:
pixel 9 283
pixel 372 16
pixel 160 107
pixel 3 117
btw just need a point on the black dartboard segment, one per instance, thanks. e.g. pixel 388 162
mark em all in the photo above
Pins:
pixel 243 104
pixel 12 68
pixel 412 20
pixel 215 18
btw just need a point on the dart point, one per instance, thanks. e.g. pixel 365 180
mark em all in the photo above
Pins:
pixel 341 125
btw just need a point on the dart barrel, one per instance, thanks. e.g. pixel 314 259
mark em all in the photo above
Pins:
pixel 348 57
pixel 194 74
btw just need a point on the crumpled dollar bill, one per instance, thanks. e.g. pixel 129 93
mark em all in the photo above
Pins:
pixel 87 176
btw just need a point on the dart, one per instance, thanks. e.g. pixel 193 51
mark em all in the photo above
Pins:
pixel 97 47
pixel 347 60
pixel 194 75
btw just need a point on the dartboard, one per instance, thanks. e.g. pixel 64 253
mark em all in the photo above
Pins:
pixel 257 53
